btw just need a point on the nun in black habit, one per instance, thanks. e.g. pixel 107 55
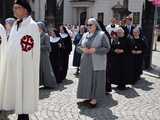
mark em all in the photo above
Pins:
pixel 66 39
pixel 56 54
pixel 120 60
pixel 138 48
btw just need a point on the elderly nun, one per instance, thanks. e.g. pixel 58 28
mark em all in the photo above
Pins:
pixel 138 50
pixel 94 45
pixel 47 77
pixel 121 72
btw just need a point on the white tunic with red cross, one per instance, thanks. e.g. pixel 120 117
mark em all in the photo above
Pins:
pixel 21 68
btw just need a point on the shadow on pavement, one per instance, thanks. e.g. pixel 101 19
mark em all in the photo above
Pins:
pixel 102 112
pixel 156 50
pixel 45 93
pixel 128 93
pixel 4 115
pixel 144 85
pixel 154 71
pixel 67 82
pixel 63 85
pixel 131 92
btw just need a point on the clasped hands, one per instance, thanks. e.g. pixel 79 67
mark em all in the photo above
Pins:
pixel 119 51
pixel 89 50
pixel 136 52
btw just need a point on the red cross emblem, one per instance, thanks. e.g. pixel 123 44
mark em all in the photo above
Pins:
pixel 27 43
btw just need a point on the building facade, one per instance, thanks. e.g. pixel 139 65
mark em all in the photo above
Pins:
pixel 44 10
pixel 50 11
pixel 78 11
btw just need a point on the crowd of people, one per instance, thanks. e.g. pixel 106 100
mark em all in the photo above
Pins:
pixel 33 56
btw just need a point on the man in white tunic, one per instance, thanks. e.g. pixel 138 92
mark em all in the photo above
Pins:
pixel 112 27
pixel 20 71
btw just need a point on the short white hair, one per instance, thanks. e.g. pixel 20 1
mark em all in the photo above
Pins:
pixel 136 29
pixel 94 21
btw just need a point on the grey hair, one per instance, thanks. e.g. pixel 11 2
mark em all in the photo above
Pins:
pixel 136 29
pixel 94 21
pixel 42 26
pixel 10 21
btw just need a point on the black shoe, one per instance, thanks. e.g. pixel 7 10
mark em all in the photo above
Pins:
pixel 107 93
pixel 23 117
pixel 121 87
pixel 76 74
pixel 85 102
pixel 91 106
pixel 109 89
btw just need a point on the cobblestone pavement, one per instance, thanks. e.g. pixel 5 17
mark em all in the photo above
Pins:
pixel 139 102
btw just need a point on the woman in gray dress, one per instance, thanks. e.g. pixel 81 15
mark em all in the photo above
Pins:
pixel 47 77
pixel 94 45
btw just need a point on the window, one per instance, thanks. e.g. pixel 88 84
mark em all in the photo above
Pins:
pixel 136 18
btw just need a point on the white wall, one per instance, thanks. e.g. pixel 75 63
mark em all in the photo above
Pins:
pixel 104 6
pixel 67 13
pixel 39 9
pixel 136 6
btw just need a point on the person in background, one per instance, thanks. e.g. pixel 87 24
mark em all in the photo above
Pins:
pixel 77 56
pixel 70 31
pixel 8 25
pixel 67 42
pixel 123 23
pixel 112 27
pixel 94 46
pixel 56 55
pixel 129 27
pixel 47 77
pixel 76 29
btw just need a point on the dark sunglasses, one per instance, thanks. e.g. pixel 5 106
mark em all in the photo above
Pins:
pixel 89 25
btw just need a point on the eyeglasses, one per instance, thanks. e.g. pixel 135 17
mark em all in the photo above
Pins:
pixel 89 25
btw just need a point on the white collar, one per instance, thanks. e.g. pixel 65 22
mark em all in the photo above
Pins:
pixel 26 20
pixel 54 39
pixel 63 35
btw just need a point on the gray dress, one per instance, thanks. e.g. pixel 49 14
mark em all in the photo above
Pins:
pixel 92 82
pixel 47 77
